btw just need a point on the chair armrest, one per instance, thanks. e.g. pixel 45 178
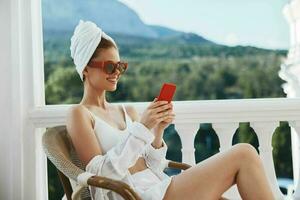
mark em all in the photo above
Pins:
pixel 124 189
pixel 178 165
pixel 119 187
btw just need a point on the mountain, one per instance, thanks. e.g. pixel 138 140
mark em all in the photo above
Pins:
pixel 162 31
pixel 112 16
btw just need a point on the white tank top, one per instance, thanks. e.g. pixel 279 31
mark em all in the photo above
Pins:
pixel 107 135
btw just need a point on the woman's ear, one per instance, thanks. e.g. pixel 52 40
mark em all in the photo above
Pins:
pixel 85 72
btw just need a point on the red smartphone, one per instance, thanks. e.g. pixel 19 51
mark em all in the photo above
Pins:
pixel 167 92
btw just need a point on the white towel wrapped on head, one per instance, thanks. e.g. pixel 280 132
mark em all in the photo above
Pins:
pixel 87 36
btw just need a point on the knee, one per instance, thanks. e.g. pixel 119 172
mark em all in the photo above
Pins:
pixel 247 152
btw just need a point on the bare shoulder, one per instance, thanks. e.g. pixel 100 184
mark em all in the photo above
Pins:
pixel 132 112
pixel 75 110
pixel 77 113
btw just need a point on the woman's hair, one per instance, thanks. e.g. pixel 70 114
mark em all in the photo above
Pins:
pixel 104 44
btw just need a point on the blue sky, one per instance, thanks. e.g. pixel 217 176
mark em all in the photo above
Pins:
pixel 232 22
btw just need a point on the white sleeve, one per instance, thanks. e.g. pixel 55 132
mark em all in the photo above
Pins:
pixel 156 158
pixel 115 163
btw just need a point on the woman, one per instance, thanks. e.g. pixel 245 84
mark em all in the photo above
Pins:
pixel 113 141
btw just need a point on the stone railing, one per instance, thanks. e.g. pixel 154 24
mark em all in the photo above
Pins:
pixel 264 116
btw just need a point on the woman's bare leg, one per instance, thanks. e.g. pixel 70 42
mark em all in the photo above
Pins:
pixel 210 178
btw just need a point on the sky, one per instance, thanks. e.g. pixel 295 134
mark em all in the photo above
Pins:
pixel 259 23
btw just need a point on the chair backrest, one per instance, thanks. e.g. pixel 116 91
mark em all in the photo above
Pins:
pixel 60 151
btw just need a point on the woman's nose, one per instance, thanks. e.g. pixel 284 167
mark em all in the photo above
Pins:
pixel 117 71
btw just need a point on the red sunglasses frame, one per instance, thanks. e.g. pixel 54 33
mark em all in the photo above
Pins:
pixel 102 65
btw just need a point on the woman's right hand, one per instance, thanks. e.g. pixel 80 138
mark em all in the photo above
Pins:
pixel 155 113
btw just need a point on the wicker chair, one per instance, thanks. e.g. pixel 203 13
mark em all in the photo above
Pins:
pixel 59 149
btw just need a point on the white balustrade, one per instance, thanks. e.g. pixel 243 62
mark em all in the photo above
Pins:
pixel 264 116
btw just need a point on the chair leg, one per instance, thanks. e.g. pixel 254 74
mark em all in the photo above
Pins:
pixel 66 184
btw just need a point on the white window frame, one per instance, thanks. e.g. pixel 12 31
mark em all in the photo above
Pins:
pixel 24 168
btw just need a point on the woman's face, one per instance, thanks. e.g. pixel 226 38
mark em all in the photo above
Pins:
pixel 97 78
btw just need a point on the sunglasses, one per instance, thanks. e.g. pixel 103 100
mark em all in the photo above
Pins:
pixel 109 67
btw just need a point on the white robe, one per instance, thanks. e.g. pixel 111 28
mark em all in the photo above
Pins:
pixel 116 162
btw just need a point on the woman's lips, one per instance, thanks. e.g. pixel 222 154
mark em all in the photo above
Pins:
pixel 113 81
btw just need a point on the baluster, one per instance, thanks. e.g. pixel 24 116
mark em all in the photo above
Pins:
pixel 295 130
pixel 225 132
pixel 264 131
pixel 187 133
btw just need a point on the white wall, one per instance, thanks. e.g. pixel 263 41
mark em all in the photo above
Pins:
pixel 21 89
pixel 8 178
